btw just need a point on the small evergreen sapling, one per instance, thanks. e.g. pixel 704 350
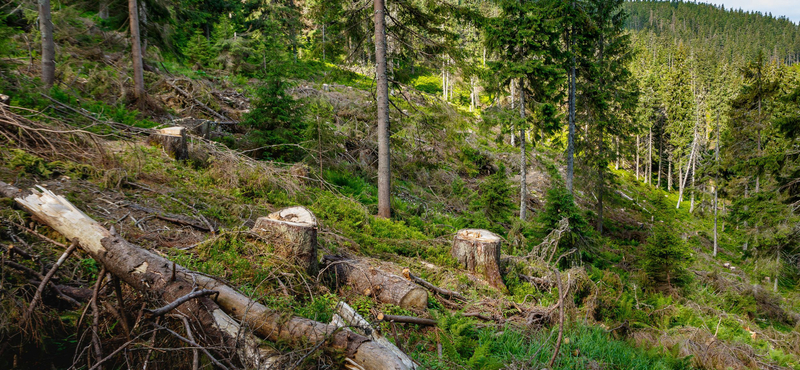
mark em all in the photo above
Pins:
pixel 666 257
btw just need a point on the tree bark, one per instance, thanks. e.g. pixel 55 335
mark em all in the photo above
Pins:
pixel 637 157
pixel 150 273
pixel 523 182
pixel 370 281
pixel 136 51
pixel 382 96
pixel 685 177
pixel 650 156
pixel 479 251
pixel 173 140
pixel 48 45
pixel 347 317
pixel 571 134
pixel 293 233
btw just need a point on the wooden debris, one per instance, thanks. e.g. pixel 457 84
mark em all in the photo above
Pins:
pixel 440 291
pixel 370 281
pixel 348 318
pixel 406 319
pixel 478 251
pixel 293 232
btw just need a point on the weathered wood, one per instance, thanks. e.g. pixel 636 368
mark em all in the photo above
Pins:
pixel 441 291
pixel 347 317
pixel 148 272
pixel 173 140
pixel 407 319
pixel 370 281
pixel 478 251
pixel 177 219
pixel 293 233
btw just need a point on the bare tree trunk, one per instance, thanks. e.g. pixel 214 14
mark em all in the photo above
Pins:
pixel 523 182
pixel 616 164
pixel 382 94
pixel 136 53
pixel 637 157
pixel 660 156
pixel 600 181
pixel 571 135
pixel 48 45
pixel 669 174
pixel 716 185
pixel 682 185
pixel 691 206
pixel 649 168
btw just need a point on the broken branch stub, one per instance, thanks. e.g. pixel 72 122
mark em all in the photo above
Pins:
pixel 370 281
pixel 293 233
pixel 478 251
pixel 173 140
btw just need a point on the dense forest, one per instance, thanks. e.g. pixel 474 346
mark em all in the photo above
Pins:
pixel 398 184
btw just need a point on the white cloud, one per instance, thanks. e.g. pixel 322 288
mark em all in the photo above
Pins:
pixel 788 8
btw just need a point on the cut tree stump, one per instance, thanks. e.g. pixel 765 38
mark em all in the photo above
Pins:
pixel 173 140
pixel 370 281
pixel 478 251
pixel 293 232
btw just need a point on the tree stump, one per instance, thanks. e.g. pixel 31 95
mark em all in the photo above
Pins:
pixel 173 140
pixel 479 251
pixel 293 232
pixel 373 282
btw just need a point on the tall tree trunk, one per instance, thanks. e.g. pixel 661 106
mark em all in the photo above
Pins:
pixel 616 163
pixel 669 174
pixel 138 71
pixel 637 157
pixel 571 135
pixel 523 182
pixel 600 180
pixel 682 185
pixel 382 94
pixel 691 206
pixel 650 156
pixel 48 45
pixel 716 184
pixel 660 155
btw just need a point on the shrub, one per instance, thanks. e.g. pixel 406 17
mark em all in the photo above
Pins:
pixel 278 123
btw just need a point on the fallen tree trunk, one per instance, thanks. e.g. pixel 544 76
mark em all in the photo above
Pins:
pixel 479 251
pixel 407 319
pixel 347 317
pixel 150 273
pixel 369 281
pixel 293 233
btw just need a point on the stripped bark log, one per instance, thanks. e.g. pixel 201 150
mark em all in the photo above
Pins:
pixel 293 233
pixel 148 272
pixel 479 251
pixel 369 281
pixel 173 140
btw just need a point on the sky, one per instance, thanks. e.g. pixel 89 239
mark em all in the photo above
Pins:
pixel 789 8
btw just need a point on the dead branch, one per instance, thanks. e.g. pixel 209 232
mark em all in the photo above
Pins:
pixel 176 219
pixel 207 108
pixel 38 295
pixel 181 300
pixel 440 291
pixel 561 295
pixel 406 319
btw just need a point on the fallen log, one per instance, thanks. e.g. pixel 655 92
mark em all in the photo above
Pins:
pixel 406 319
pixel 440 291
pixel 173 140
pixel 347 317
pixel 478 251
pixel 293 233
pixel 150 273
pixel 370 281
